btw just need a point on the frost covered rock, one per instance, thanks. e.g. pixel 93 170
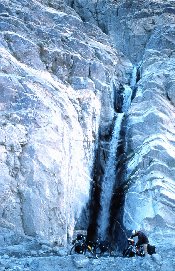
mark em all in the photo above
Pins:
pixel 80 261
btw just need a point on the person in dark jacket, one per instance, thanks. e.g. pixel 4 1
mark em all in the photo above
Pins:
pixel 142 240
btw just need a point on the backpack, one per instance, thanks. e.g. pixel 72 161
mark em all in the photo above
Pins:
pixel 151 249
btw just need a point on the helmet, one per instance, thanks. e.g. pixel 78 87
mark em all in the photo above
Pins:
pixel 131 241
pixel 134 232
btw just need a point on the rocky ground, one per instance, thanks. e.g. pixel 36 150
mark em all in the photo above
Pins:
pixel 41 256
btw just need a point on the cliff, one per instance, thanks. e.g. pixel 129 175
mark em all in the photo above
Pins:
pixel 57 78
pixel 68 70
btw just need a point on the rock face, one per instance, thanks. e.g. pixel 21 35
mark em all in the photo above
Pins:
pixel 57 78
pixel 64 70
pixel 151 164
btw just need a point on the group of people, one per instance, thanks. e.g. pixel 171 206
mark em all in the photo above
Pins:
pixel 142 240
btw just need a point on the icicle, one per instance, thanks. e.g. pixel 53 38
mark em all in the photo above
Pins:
pixel 133 77
pixel 109 179
pixel 128 90
pixel 127 94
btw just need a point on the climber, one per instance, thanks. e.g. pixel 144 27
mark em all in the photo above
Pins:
pixel 142 240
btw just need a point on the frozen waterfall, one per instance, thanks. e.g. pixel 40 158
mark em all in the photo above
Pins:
pixel 127 95
pixel 109 180
pixel 133 77
pixel 128 90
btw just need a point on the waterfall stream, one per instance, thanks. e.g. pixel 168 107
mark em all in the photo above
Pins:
pixel 107 193
pixel 109 179
pixel 127 95
pixel 133 77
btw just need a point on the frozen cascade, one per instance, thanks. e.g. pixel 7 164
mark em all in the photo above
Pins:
pixel 127 95
pixel 133 77
pixel 128 91
pixel 109 180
